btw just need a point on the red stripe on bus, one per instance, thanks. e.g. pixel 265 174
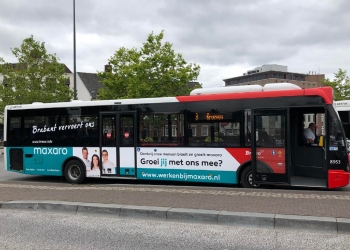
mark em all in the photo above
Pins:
pixel 240 154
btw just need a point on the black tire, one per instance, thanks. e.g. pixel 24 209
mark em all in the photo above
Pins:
pixel 247 178
pixel 74 172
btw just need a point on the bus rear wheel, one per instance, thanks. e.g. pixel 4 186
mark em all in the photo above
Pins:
pixel 74 172
pixel 247 178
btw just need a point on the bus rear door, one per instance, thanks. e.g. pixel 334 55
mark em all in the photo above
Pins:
pixel 118 142
pixel 269 157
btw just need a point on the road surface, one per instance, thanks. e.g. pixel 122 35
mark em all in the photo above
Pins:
pixel 48 230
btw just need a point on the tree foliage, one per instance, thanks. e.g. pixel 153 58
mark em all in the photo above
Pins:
pixel 153 71
pixel 340 85
pixel 36 77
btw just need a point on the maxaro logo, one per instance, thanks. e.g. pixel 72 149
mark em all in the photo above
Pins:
pixel 50 151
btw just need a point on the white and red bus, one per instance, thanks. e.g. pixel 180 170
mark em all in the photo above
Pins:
pixel 248 135
pixel 343 108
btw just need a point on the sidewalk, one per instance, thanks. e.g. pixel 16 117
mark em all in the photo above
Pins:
pixel 298 209
pixel 256 220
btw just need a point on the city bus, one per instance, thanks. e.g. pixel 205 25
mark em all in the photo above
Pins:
pixel 240 135
pixel 343 108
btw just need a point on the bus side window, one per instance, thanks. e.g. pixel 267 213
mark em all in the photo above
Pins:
pixel 190 135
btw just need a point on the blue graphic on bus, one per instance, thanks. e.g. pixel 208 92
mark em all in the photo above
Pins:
pixel 163 162
pixel 43 160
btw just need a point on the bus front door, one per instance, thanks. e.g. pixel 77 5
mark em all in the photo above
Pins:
pixel 269 158
pixel 118 143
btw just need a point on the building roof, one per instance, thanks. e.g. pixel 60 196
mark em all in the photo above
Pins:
pixel 91 82
pixel 265 73
pixel 66 69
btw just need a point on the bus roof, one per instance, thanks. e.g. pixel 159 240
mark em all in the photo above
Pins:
pixel 325 92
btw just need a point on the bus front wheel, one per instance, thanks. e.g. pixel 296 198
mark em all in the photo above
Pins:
pixel 247 178
pixel 74 172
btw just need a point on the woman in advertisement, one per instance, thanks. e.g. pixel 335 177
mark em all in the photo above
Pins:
pixel 95 168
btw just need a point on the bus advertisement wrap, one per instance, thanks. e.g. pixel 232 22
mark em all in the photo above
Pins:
pixel 201 164
pixel 195 164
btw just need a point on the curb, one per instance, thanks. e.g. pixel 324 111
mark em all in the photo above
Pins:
pixel 256 220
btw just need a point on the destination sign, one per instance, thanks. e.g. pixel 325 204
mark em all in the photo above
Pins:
pixel 211 116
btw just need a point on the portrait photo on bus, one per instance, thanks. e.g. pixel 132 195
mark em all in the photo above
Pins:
pixel 90 156
pixel 108 159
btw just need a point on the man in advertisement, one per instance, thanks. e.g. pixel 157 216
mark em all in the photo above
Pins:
pixel 107 166
pixel 85 154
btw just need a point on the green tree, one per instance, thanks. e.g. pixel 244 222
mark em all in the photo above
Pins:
pixel 340 85
pixel 36 77
pixel 153 71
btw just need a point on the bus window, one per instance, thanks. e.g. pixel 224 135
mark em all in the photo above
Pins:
pixel 270 131
pixel 40 130
pixel 318 119
pixel 161 129
pixel 108 131
pixel 77 130
pixel 247 128
pixel 215 134
pixel 335 133
pixel 221 129
pixel 127 130
pixel 14 131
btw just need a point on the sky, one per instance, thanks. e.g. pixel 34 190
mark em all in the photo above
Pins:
pixel 225 37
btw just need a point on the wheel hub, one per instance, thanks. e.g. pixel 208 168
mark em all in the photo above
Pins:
pixel 250 180
pixel 74 172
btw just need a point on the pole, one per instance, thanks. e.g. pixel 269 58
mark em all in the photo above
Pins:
pixel 75 71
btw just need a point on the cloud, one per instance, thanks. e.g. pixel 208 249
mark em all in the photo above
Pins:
pixel 226 37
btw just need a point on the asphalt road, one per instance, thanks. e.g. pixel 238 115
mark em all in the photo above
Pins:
pixel 48 230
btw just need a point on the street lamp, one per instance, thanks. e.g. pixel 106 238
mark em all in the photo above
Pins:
pixel 67 83
pixel 74 48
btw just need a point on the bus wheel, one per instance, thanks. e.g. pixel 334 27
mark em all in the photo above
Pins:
pixel 247 178
pixel 74 172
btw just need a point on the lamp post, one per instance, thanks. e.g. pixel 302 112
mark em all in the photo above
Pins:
pixel 74 48
pixel 67 85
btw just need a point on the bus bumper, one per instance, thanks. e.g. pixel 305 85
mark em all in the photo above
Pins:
pixel 338 178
